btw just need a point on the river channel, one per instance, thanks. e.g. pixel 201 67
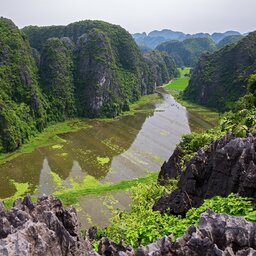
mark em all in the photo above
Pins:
pixel 110 151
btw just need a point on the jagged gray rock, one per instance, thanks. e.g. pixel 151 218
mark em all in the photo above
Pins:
pixel 172 168
pixel 41 228
pixel 216 235
pixel 108 247
pixel 227 165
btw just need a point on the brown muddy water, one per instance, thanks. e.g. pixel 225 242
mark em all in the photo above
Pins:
pixel 110 151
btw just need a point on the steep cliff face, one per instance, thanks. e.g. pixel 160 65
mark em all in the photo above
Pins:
pixel 161 67
pixel 22 106
pixel 109 70
pixel 187 52
pixel 108 66
pixel 56 78
pixel 219 79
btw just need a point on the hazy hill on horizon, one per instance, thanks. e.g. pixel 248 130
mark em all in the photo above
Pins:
pixel 156 37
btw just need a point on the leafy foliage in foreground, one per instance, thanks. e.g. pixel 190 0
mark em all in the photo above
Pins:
pixel 142 225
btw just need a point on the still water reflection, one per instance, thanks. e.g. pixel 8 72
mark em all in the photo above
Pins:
pixel 120 149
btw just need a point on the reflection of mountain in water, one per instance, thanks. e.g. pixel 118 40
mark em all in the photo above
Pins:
pixel 131 146
pixel 25 168
pixel 46 181
pixel 79 153
pixel 153 144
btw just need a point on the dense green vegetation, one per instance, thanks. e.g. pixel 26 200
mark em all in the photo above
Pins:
pixel 56 79
pixel 161 67
pixel 181 82
pixel 229 40
pixel 86 69
pixel 219 79
pixel 187 52
pixel 141 225
pixel 22 106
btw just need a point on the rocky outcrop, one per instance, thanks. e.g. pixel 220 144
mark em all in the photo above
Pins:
pixel 161 67
pixel 216 234
pixel 41 228
pixel 96 78
pixel 56 78
pixel 227 165
pixel 170 169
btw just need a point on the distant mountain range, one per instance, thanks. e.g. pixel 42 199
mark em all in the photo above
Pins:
pixel 154 38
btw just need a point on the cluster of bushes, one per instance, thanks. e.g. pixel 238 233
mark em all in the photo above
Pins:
pixel 141 225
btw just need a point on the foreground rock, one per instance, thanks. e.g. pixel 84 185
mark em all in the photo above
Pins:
pixel 217 234
pixel 41 228
pixel 172 168
pixel 227 165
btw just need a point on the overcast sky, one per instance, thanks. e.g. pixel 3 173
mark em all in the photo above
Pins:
pixel 189 16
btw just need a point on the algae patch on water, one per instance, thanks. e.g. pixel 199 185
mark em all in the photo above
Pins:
pixel 89 185
pixel 58 146
pixel 112 146
pixel 50 136
pixel 21 190
pixel 103 160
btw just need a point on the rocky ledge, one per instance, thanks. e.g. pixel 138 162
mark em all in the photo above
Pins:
pixel 216 235
pixel 227 166
pixel 41 228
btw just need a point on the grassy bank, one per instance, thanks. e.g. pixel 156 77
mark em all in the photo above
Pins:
pixel 143 105
pixel 181 82
pixel 200 118
pixel 88 186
